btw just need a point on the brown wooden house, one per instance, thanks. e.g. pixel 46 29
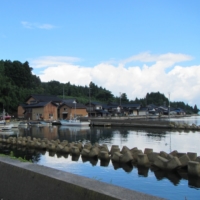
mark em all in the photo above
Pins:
pixel 49 107
pixel 40 107
pixel 69 110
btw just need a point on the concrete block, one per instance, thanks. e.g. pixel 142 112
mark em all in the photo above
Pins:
pixel 116 157
pixel 87 146
pixel 126 157
pixel 184 159
pixel 94 152
pixel 104 147
pixel 198 159
pixel 148 150
pixel 161 162
pixel 124 149
pixel 143 159
pixel 192 156
pixel 152 156
pixel 180 154
pixel 103 155
pixel 174 153
pixel 114 148
pixel 173 163
pixel 163 154
pixel 79 145
pixel 194 168
pixel 134 153
pixel 66 149
pixel 85 152
pixel 75 150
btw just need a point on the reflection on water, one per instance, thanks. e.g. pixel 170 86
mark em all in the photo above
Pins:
pixel 144 179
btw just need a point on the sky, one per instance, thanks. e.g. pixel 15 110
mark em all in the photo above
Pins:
pixel 130 46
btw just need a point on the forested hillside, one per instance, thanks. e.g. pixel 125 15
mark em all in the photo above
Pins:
pixel 17 82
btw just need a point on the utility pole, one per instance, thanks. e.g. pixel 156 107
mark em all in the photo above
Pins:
pixel 120 96
pixel 63 92
pixel 169 106
pixel 89 103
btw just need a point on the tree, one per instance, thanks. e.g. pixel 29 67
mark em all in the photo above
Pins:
pixel 196 110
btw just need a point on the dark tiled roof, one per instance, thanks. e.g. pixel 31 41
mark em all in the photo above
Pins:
pixel 72 105
pixel 37 105
pixel 44 98
pixel 131 105
pixel 68 100
pixel 143 109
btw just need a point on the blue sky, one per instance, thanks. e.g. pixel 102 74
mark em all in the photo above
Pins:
pixel 132 47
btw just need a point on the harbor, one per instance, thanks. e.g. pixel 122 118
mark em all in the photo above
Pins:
pixel 148 181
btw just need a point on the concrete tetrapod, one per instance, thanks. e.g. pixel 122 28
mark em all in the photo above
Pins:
pixel 143 160
pixel 165 164
pixel 194 168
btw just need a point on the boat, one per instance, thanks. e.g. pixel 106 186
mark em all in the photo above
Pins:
pixel 23 124
pixel 46 123
pixel 7 132
pixel 6 127
pixel 40 123
pixel 2 122
pixel 74 122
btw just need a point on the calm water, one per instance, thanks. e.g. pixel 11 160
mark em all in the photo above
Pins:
pixel 159 183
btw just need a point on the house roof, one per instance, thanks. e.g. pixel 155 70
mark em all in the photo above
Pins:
pixel 69 100
pixel 37 105
pixel 72 105
pixel 44 98
pixel 143 109
pixel 131 105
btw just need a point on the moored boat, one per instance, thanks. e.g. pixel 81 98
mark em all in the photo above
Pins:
pixel 23 124
pixel 6 127
pixel 74 122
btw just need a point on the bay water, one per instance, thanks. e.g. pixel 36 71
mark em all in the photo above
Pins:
pixel 146 180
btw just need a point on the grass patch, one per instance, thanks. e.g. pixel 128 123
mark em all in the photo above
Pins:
pixel 11 155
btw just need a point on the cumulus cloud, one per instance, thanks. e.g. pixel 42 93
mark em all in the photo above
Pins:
pixel 183 83
pixel 30 25
pixel 53 61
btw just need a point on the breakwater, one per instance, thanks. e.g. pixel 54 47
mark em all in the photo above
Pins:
pixel 142 123
pixel 186 164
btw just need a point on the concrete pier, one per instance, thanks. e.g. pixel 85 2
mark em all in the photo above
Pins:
pixel 31 181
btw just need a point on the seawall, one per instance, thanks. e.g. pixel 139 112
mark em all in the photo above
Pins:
pixel 28 181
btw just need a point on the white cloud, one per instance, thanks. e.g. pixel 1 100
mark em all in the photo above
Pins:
pixel 183 83
pixel 53 61
pixel 30 25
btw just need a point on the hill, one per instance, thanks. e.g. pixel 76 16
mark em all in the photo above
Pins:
pixel 17 82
